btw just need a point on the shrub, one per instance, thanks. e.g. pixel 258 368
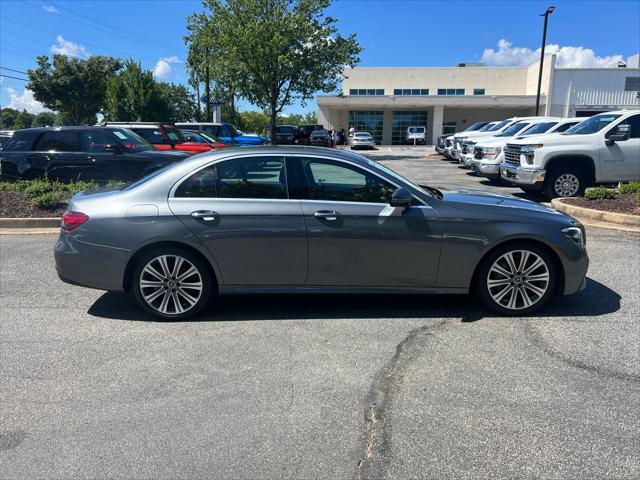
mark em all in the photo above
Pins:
pixel 12 186
pixel 599 192
pixel 115 184
pixel 638 197
pixel 79 186
pixel 48 200
pixel 36 188
pixel 631 187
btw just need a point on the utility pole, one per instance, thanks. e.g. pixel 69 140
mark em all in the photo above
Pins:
pixel 544 42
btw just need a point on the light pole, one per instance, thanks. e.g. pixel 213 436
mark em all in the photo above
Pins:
pixel 544 41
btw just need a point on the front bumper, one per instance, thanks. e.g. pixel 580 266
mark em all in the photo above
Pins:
pixel 521 176
pixel 90 265
pixel 467 160
pixel 490 170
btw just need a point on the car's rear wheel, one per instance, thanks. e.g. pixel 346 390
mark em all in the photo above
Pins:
pixel 516 279
pixel 171 283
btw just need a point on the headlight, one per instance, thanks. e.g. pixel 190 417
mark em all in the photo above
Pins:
pixel 530 149
pixel 575 234
pixel 492 152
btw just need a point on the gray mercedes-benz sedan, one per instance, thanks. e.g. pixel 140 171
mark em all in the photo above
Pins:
pixel 304 219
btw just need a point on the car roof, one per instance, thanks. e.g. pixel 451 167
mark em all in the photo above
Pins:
pixel 136 124
pixel 71 127
pixel 201 123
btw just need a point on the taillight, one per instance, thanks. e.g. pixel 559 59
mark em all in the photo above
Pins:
pixel 72 220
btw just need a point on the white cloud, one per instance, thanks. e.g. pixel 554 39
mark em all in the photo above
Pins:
pixel 24 101
pixel 568 57
pixel 65 47
pixel 50 9
pixel 163 68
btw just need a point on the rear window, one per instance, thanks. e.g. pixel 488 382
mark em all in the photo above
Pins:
pixel 173 133
pixel 362 135
pixel 319 134
pixel 58 141
pixel 285 129
pixel 416 129
pixel 151 135
pixel 20 141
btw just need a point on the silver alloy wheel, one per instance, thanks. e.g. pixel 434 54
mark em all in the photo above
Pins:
pixel 567 185
pixel 170 284
pixel 518 279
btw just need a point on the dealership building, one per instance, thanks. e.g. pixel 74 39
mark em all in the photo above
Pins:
pixel 385 101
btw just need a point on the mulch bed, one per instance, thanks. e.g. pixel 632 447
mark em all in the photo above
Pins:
pixel 619 204
pixel 16 204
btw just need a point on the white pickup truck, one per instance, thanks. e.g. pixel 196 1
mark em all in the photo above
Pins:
pixel 487 154
pixel 451 149
pixel 602 149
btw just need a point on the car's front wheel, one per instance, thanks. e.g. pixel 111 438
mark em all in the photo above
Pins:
pixel 171 283
pixel 564 182
pixel 516 279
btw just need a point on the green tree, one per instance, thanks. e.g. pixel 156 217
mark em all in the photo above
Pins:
pixel 180 102
pixel 276 51
pixel 134 96
pixel 72 86
pixel 24 119
pixel 8 118
pixel 253 122
pixel 44 119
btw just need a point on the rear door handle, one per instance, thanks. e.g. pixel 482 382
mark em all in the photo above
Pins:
pixel 205 215
pixel 327 215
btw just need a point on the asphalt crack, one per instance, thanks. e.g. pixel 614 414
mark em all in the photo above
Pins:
pixel 387 382
pixel 539 342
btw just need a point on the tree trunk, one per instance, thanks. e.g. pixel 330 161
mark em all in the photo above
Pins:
pixel 273 118
pixel 198 113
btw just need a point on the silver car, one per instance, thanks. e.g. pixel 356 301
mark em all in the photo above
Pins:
pixel 362 140
pixel 305 219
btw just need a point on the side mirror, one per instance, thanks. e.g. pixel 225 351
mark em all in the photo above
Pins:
pixel 621 134
pixel 113 149
pixel 401 197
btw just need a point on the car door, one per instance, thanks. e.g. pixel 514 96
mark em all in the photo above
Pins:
pixel 59 152
pixel 240 210
pixel 355 237
pixel 621 160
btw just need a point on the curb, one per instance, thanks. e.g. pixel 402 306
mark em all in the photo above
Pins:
pixel 30 222
pixel 599 218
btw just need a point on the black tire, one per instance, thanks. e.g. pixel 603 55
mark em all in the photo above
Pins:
pixel 203 273
pixel 487 294
pixel 574 186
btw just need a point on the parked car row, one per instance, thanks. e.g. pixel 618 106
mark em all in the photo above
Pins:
pixel 560 157
pixel 295 134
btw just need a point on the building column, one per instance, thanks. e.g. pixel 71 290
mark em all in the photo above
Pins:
pixel 387 125
pixel 436 121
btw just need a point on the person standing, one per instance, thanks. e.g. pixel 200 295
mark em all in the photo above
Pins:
pixel 334 138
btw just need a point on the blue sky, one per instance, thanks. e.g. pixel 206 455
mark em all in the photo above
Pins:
pixel 392 32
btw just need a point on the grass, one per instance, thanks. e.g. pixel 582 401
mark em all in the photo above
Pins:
pixel 596 193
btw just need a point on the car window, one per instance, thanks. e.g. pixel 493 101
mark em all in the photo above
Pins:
pixel 214 130
pixel 634 123
pixel 336 181
pixel 257 177
pixel 58 141
pixel 199 185
pixel 20 141
pixel 227 131
pixel 592 125
pixel 538 128
pixel 565 126
pixel 151 135
pixel 173 133
pixel 513 129
pixel 95 141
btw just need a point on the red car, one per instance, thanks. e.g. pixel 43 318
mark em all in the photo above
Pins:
pixel 165 136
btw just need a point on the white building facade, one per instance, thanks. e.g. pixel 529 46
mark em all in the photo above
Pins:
pixel 385 101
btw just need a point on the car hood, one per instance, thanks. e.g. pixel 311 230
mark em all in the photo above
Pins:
pixel 464 136
pixel 250 140
pixel 475 198
pixel 550 139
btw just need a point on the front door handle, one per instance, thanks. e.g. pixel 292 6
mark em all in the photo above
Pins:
pixel 205 215
pixel 327 215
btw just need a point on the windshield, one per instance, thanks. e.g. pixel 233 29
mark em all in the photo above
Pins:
pixel 416 129
pixel 592 125
pixel 285 129
pixel 362 135
pixel 513 129
pixel 130 141
pixel 498 126
pixel 476 126
pixel 146 178
pixel 539 128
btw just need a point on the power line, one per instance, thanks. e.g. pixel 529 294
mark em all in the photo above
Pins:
pixel 12 70
pixel 15 78
pixel 93 45
pixel 39 52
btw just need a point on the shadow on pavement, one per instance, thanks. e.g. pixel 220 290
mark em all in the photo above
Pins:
pixel 596 299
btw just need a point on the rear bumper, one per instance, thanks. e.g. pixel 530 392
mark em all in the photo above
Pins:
pixel 521 176
pixel 90 265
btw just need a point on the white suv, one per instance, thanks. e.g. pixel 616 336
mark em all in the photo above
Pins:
pixel 602 149
pixel 487 155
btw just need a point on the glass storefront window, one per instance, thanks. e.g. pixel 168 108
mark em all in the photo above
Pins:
pixel 449 128
pixel 402 120
pixel 368 121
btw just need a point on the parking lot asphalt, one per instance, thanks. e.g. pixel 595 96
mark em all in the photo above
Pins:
pixel 320 387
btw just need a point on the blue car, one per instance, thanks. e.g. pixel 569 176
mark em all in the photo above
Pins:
pixel 225 132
